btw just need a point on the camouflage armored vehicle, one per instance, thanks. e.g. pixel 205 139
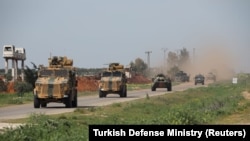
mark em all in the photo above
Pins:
pixel 113 81
pixel 56 83
pixel 199 78
pixel 181 76
pixel 161 81
pixel 211 76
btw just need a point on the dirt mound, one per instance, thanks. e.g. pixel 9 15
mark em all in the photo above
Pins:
pixel 139 79
pixel 90 83
pixel 10 87
pixel 87 83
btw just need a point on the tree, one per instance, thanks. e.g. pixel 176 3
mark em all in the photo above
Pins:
pixel 177 62
pixel 31 74
pixel 22 87
pixel 172 71
pixel 139 65
pixel 184 59
pixel 172 60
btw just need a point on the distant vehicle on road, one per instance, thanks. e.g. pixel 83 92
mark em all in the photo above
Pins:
pixel 161 81
pixel 211 76
pixel 199 78
pixel 181 76
pixel 113 81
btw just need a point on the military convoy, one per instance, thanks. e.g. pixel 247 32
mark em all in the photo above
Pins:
pixel 113 81
pixel 56 83
pixel 161 81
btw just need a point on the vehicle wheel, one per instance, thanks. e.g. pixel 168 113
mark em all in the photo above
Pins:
pixel 36 102
pixel 101 94
pixel 68 102
pixel 170 87
pixel 123 92
pixel 74 103
pixel 153 88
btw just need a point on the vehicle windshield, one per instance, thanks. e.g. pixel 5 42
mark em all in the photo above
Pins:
pixel 108 74
pixel 117 73
pixel 197 76
pixel 56 73
pixel 160 75
pixel 61 73
pixel 46 72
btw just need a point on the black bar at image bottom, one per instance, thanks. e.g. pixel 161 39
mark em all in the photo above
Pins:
pixel 163 132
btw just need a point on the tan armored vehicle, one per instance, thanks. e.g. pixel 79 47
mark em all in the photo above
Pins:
pixel 56 83
pixel 113 81
pixel 211 76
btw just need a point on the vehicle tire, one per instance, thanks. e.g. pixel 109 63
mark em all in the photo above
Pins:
pixel 36 102
pixel 170 87
pixel 101 94
pixel 123 92
pixel 74 103
pixel 68 101
pixel 153 88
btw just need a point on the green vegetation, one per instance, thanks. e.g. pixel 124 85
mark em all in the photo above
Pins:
pixel 43 128
pixel 204 105
pixel 13 99
pixel 131 87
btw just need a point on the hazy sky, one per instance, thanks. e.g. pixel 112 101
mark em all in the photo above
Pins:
pixel 97 32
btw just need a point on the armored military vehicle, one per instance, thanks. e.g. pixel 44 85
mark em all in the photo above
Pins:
pixel 113 81
pixel 199 78
pixel 181 76
pixel 56 83
pixel 211 76
pixel 161 81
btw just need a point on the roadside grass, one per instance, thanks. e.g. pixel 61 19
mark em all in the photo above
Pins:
pixel 204 105
pixel 132 86
pixel 15 99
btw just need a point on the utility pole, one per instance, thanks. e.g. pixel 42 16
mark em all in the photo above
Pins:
pixel 148 58
pixel 194 61
pixel 194 56
pixel 164 57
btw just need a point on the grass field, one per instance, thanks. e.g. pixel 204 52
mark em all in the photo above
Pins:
pixel 220 103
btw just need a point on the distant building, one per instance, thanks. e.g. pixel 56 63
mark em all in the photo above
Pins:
pixel 15 54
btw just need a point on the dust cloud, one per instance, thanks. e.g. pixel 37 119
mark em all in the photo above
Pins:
pixel 215 58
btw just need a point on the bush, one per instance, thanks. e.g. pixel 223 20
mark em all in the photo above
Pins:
pixel 22 87
pixel 3 86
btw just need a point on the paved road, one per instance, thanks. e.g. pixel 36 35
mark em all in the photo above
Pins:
pixel 21 111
